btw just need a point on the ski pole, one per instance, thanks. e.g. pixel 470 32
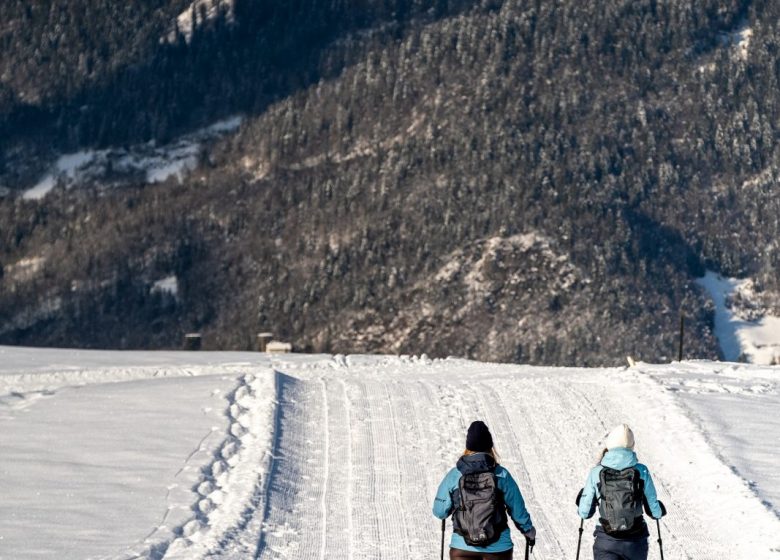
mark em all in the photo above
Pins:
pixel 443 524
pixel 660 542
pixel 527 548
pixel 579 540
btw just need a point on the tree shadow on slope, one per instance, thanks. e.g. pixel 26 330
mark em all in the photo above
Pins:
pixel 265 51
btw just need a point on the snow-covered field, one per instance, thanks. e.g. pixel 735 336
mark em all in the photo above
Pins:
pixel 242 455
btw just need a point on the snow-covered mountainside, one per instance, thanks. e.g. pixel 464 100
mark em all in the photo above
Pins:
pixel 241 455
pixel 502 180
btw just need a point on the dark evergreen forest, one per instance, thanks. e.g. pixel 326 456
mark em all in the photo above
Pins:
pixel 518 180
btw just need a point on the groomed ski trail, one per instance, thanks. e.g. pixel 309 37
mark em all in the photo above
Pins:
pixel 361 444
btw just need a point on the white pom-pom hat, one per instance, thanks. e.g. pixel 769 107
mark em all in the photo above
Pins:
pixel 620 436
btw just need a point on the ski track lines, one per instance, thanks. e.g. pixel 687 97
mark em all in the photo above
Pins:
pixel 362 449
pixel 295 485
pixel 335 538
pixel 523 462
pixel 364 496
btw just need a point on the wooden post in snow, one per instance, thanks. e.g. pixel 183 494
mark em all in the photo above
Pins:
pixel 682 337
pixel 192 341
pixel 263 339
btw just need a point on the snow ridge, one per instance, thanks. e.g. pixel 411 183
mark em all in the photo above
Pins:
pixel 24 383
pixel 229 485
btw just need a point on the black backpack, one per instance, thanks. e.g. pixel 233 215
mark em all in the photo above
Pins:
pixel 480 513
pixel 620 503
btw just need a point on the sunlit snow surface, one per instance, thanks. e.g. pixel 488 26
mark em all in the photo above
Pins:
pixel 736 408
pixel 244 455
pixel 758 341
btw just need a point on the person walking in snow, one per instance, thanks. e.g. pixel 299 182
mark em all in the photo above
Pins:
pixel 479 493
pixel 620 487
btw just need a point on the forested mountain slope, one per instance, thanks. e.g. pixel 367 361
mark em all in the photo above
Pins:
pixel 530 181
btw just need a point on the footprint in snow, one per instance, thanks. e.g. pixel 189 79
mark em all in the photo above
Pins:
pixel 191 528
pixel 205 506
pixel 205 488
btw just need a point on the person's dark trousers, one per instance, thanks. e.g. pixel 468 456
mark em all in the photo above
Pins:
pixel 457 554
pixel 609 548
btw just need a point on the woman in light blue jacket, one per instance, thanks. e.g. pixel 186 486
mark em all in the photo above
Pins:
pixel 620 486
pixel 480 457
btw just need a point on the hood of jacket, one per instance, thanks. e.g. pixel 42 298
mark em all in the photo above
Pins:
pixel 619 458
pixel 477 463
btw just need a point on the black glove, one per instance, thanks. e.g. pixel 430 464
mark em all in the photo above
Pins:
pixel 530 537
pixel 663 508
pixel 646 505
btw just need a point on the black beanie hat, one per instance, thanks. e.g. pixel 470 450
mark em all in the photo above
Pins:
pixel 478 437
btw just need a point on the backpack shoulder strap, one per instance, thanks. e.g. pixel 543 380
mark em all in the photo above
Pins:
pixel 639 485
pixel 461 491
pixel 603 480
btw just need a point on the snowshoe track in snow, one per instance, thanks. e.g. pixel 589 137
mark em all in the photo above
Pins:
pixel 233 487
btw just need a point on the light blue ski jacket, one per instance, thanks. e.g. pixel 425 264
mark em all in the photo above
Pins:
pixel 515 505
pixel 618 458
